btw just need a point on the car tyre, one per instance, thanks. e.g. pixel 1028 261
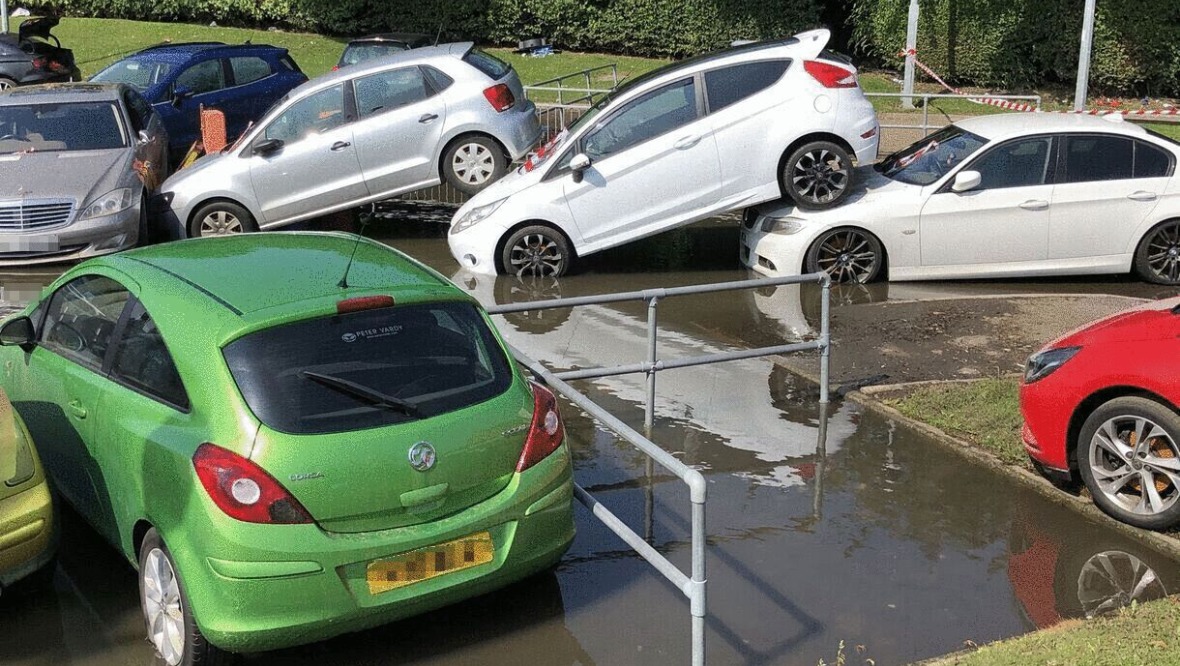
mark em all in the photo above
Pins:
pixel 817 175
pixel 221 218
pixel 1157 258
pixel 473 162
pixel 846 254
pixel 6 83
pixel 536 250
pixel 1128 453
pixel 177 640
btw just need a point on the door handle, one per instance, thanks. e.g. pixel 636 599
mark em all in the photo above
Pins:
pixel 1142 196
pixel 77 409
pixel 340 145
pixel 1035 204
pixel 687 142
pixel 427 117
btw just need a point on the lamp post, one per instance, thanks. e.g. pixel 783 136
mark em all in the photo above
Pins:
pixel 911 43
pixel 1079 97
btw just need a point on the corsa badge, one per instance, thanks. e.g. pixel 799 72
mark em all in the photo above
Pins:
pixel 422 456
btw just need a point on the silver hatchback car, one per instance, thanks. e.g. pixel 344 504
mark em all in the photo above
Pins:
pixel 361 134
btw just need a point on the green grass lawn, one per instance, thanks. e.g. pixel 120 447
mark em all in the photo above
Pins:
pixel 986 413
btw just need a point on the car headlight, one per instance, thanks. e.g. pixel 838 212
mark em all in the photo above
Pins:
pixel 475 216
pixel 1042 364
pixel 115 201
pixel 782 225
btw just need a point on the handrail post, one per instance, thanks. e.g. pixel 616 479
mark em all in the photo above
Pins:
pixel 696 593
pixel 925 115
pixel 649 411
pixel 825 336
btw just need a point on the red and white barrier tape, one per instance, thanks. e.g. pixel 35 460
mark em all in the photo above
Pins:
pixel 1017 106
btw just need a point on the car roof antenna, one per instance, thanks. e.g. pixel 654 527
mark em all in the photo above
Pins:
pixel 365 217
pixel 438 35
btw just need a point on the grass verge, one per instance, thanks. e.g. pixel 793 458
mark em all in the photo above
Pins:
pixel 985 413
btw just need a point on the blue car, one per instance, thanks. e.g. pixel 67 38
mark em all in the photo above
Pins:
pixel 242 80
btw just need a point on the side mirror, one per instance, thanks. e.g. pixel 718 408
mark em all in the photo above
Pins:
pixel 267 146
pixel 578 165
pixel 18 331
pixel 144 137
pixel 966 180
pixel 179 95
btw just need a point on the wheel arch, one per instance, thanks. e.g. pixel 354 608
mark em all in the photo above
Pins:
pixel 1092 402
pixel 460 135
pixel 196 208
pixel 503 240
pixel 1143 232
pixel 138 534
pixel 882 276
pixel 808 138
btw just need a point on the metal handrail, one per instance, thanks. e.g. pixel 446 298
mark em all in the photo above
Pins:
pixel 585 74
pixel 694 586
pixel 926 97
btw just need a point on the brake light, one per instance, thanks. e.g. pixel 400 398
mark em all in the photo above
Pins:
pixel 243 490
pixel 335 67
pixel 829 75
pixel 38 63
pixel 545 433
pixel 500 97
pixel 363 303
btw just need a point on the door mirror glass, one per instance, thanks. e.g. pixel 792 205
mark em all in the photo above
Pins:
pixel 966 180
pixel 578 165
pixel 17 331
pixel 179 94
pixel 267 146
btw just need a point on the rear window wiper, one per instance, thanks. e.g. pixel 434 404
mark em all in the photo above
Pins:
pixel 364 393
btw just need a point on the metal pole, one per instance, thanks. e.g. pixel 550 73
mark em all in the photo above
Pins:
pixel 911 43
pixel 4 16
pixel 925 115
pixel 649 414
pixel 1079 96
pixel 825 338
pixel 698 582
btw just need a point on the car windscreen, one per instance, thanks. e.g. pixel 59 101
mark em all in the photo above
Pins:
pixel 141 74
pixel 61 127
pixel 369 369
pixel 931 158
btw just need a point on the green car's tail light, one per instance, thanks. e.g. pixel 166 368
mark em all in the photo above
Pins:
pixel 363 303
pixel 243 490
pixel 545 432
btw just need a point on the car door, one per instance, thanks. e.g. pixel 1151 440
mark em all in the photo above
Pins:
pixel 1004 220
pixel 59 389
pixel 1106 187
pixel 739 110
pixel 199 83
pixel 316 166
pixel 654 166
pixel 400 120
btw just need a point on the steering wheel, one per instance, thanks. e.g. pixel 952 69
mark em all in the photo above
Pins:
pixel 68 337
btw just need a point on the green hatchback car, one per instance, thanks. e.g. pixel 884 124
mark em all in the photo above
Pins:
pixel 290 436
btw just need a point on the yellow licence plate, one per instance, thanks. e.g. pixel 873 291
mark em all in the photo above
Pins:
pixel 426 563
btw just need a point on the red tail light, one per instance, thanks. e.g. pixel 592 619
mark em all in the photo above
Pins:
pixel 38 63
pixel 500 97
pixel 363 303
pixel 546 432
pixel 243 490
pixel 335 67
pixel 829 75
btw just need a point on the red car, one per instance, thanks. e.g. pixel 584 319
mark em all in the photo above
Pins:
pixel 1101 403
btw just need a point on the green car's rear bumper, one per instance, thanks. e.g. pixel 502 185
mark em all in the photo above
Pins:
pixel 261 587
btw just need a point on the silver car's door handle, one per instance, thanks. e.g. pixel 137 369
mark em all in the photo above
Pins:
pixel 340 145
pixel 687 142
pixel 427 117
pixel 1143 196
pixel 1035 204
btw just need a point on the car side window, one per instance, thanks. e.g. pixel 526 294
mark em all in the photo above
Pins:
pixel 653 114
pixel 202 77
pixel 438 80
pixel 316 113
pixel 1151 162
pixel 389 90
pixel 728 85
pixel 81 317
pixel 1091 157
pixel 1019 163
pixel 141 112
pixel 142 360
pixel 248 69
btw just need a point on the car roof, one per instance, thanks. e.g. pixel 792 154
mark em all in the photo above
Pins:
pixel 183 51
pixel 57 93
pixel 410 57
pixel 400 37
pixel 1006 125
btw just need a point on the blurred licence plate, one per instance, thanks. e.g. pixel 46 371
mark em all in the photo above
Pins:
pixel 40 243
pixel 430 562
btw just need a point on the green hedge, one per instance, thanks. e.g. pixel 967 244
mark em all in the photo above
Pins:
pixel 1021 43
pixel 634 27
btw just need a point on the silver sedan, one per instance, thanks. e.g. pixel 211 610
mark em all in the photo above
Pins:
pixel 364 133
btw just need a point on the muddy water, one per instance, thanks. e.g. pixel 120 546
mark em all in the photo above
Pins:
pixel 868 534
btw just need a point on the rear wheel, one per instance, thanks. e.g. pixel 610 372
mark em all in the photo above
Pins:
pixel 847 255
pixel 6 83
pixel 536 250
pixel 1158 257
pixel 473 162
pixel 221 218
pixel 817 175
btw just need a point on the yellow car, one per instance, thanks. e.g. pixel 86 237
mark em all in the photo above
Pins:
pixel 26 511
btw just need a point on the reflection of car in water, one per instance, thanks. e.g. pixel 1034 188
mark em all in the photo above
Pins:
pixel 26 511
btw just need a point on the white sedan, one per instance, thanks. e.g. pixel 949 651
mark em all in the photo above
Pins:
pixel 1009 195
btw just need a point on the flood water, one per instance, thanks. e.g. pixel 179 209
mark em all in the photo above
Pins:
pixel 869 535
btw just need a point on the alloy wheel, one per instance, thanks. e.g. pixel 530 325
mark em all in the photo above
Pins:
pixel 1112 579
pixel 535 254
pixel 162 607
pixel 848 256
pixel 1163 252
pixel 5 84
pixel 819 176
pixel 1136 465
pixel 473 163
pixel 221 223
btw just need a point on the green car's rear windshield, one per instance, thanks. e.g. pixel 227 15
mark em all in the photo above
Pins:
pixel 369 369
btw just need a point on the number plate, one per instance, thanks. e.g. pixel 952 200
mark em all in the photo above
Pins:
pixel 430 562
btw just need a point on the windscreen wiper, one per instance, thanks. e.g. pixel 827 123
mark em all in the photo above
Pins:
pixel 364 393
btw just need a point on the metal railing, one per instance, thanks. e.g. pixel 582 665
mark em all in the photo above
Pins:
pixel 557 86
pixel 926 97
pixel 693 587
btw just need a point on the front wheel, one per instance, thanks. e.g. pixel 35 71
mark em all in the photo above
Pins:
pixel 817 175
pixel 473 162
pixel 6 83
pixel 1129 457
pixel 171 628
pixel 221 218
pixel 1158 257
pixel 536 250
pixel 846 255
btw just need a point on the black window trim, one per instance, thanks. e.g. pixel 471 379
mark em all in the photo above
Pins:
pixel 1135 141
pixel 1050 176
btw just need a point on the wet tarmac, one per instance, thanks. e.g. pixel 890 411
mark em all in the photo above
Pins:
pixel 869 535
